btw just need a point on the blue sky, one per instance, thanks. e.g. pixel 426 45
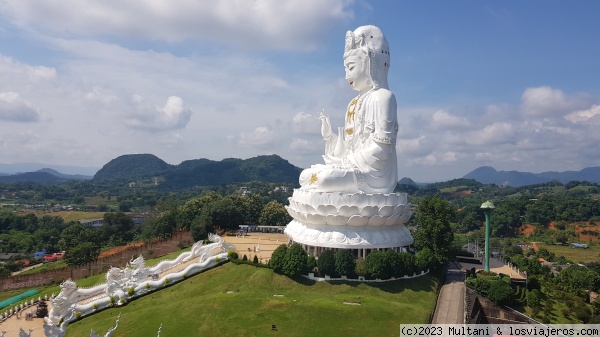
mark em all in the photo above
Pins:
pixel 509 84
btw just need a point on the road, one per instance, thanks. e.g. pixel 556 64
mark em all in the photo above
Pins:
pixel 450 308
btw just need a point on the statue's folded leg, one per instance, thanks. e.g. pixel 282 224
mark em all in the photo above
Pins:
pixel 308 177
pixel 333 179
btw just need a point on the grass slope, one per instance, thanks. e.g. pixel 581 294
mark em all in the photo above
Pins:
pixel 576 255
pixel 202 306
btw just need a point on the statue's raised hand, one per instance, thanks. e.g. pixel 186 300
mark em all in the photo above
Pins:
pixel 325 125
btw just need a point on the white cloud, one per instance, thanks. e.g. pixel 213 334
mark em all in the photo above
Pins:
pixel 589 116
pixel 548 102
pixel 261 137
pixel 97 95
pixel 291 24
pixel 305 123
pixel 442 120
pixel 41 73
pixel 493 134
pixel 412 145
pixel 15 109
pixel 173 115
pixel 305 146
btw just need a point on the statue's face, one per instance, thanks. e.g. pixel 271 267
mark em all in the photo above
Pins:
pixel 357 73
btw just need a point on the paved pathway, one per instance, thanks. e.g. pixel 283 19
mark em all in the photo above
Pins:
pixel 450 308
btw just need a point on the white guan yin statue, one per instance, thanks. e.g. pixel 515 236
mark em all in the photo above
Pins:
pixel 362 156
pixel 348 202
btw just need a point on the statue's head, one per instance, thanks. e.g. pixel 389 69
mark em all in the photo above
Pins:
pixel 368 48
pixel 68 286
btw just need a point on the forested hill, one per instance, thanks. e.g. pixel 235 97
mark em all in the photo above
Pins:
pixel 132 166
pixel 34 177
pixel 200 172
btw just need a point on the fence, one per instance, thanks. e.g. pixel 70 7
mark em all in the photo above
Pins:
pixel 120 259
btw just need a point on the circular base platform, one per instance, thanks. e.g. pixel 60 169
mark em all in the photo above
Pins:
pixel 349 237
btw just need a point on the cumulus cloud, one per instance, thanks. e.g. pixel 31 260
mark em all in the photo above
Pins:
pixel 589 116
pixel 549 102
pixel 97 95
pixel 305 123
pixel 13 72
pixel 261 137
pixel 41 73
pixel 173 115
pixel 291 24
pixel 493 134
pixel 15 109
pixel 306 146
pixel 444 120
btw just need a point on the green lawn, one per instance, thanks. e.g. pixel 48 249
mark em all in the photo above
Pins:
pixel 576 255
pixel 202 306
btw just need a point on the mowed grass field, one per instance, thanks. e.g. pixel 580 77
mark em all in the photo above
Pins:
pixel 238 300
pixel 577 255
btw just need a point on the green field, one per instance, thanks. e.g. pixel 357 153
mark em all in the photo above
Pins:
pixel 238 300
pixel 576 255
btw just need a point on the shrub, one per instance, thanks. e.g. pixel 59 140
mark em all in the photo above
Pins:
pixel 533 299
pixel 326 263
pixel 77 314
pixel 217 259
pixel 500 292
pixel 244 258
pixel 377 266
pixel 360 267
pixel 394 262
pixel 232 255
pixel 147 285
pixel 112 301
pixel 166 281
pixel 295 260
pixel 131 291
pixel 424 259
pixel 255 259
pixel 95 306
pixel 278 258
pixel 311 263
pixel 344 262
pixel 409 264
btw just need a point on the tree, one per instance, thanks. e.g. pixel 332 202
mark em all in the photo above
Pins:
pixel 533 298
pixel 360 267
pixel 274 214
pixel 326 263
pixel 253 206
pixel 117 228
pixel 377 266
pixel 278 258
pixel 434 231
pixel 424 259
pixel 200 228
pixel 82 253
pixel 311 263
pixel 295 261
pixel 344 262
pixel 500 292
pixel 408 264
pixel 394 262
pixel 255 259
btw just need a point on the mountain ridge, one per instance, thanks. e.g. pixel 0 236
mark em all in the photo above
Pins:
pixel 489 175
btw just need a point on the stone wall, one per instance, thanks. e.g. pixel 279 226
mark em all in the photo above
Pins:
pixel 149 250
